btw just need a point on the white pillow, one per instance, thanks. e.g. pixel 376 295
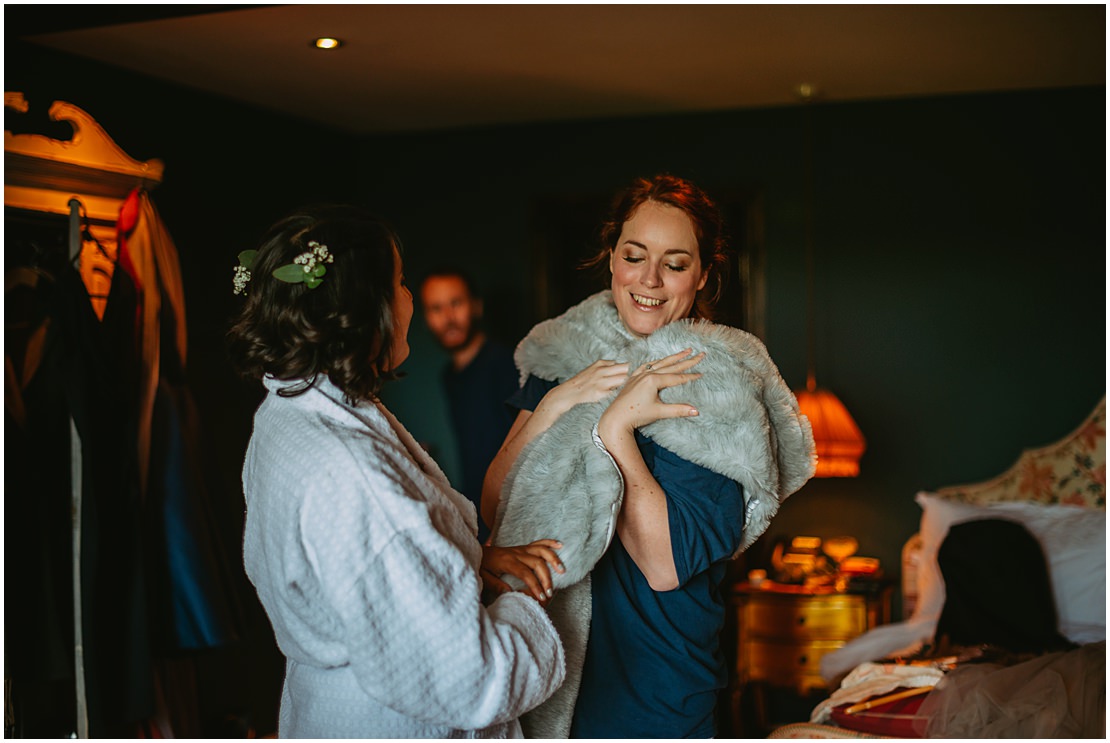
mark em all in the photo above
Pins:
pixel 1074 543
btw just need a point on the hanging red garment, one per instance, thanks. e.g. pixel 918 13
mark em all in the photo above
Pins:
pixel 148 254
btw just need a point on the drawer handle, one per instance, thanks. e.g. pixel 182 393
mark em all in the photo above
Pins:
pixel 803 660
pixel 801 620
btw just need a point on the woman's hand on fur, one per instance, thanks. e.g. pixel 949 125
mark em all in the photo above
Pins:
pixel 531 563
pixel 589 385
pixel 638 403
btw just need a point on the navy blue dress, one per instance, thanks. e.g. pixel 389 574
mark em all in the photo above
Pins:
pixel 653 665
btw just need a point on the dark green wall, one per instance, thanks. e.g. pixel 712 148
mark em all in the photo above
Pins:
pixel 960 263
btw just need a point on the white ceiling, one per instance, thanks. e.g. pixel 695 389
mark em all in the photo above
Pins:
pixel 422 67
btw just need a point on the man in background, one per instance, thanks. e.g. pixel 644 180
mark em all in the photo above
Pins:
pixel 479 378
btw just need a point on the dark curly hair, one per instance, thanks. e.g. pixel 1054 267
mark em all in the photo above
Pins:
pixel 703 213
pixel 344 327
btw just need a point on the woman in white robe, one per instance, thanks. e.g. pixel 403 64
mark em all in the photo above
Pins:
pixel 364 558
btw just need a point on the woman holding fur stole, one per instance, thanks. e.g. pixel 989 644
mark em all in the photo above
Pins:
pixel 654 445
pixel 365 559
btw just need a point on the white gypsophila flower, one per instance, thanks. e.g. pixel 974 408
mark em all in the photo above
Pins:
pixel 240 280
pixel 321 252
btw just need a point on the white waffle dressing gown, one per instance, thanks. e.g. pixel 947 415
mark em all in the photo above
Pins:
pixel 366 562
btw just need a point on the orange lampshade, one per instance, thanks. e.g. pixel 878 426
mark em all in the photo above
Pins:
pixel 840 443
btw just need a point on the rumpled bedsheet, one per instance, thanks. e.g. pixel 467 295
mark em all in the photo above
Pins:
pixel 1057 695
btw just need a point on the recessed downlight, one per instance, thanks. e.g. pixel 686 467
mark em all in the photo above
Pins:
pixel 326 42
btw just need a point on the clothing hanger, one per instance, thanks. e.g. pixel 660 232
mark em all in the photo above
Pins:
pixel 86 233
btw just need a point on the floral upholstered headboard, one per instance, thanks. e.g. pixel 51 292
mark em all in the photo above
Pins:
pixel 1071 471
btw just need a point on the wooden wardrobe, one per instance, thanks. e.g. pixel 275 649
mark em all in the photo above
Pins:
pixel 103 568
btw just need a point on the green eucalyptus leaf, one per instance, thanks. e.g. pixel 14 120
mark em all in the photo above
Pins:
pixel 312 282
pixel 290 273
pixel 319 270
pixel 246 258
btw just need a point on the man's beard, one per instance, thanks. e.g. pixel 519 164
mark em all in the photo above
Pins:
pixel 469 331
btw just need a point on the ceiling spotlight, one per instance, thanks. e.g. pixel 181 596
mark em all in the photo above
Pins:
pixel 326 42
pixel 807 91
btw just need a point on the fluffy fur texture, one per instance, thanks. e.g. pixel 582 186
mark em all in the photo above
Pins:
pixel 570 612
pixel 581 494
pixel 749 429
pixel 564 487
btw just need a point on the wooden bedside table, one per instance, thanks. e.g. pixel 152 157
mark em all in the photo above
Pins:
pixel 782 632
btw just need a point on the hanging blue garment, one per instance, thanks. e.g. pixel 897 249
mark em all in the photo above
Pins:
pixel 201 608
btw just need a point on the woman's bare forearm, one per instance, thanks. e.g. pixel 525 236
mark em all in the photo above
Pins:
pixel 499 468
pixel 642 524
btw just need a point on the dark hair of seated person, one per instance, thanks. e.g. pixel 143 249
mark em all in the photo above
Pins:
pixel 998 591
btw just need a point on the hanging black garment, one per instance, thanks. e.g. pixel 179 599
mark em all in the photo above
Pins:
pixel 997 589
pixel 193 604
pixel 37 589
pixel 87 371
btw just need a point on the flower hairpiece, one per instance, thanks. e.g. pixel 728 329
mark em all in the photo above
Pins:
pixel 308 267
pixel 243 271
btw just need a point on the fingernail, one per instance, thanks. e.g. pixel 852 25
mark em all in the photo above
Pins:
pixel 550 593
pixel 693 412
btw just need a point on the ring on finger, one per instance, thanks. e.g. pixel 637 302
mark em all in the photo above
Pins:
pixel 648 367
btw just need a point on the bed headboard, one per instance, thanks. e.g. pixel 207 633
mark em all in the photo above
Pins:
pixel 1069 472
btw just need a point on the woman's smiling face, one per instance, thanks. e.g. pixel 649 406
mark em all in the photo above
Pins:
pixel 656 268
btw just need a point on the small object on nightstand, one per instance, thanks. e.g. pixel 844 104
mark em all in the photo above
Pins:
pixel 800 563
pixel 840 549
pixel 862 566
pixel 860 574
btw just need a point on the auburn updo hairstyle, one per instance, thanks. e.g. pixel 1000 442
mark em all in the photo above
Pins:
pixel 704 215
pixel 344 327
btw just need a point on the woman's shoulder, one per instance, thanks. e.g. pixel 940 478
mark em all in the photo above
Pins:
pixel 333 443
pixel 341 478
